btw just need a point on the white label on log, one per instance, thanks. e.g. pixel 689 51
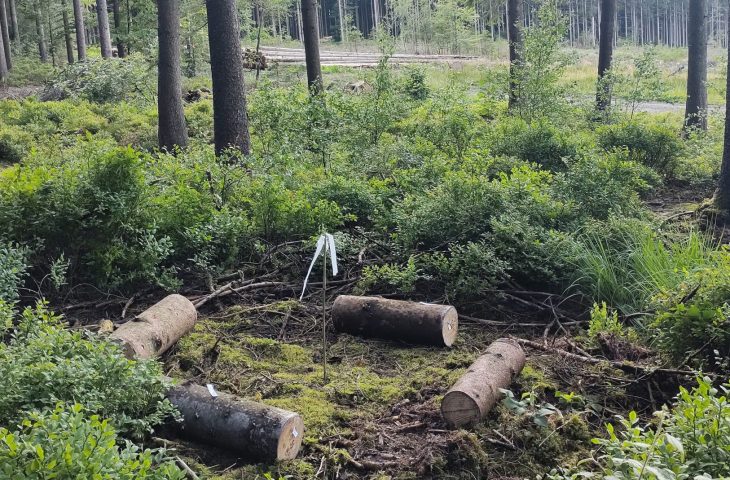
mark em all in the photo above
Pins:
pixel 212 391
pixel 294 432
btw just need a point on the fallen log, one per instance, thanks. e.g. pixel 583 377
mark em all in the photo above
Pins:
pixel 397 320
pixel 249 428
pixel 477 391
pixel 156 329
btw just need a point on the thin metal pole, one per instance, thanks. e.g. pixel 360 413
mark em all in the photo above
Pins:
pixel 324 313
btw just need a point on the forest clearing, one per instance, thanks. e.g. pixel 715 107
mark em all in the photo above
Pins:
pixel 382 240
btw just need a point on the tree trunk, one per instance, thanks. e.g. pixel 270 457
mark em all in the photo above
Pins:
pixel 14 32
pixel 156 329
pixel 42 49
pixel 311 45
pixel 80 30
pixel 121 48
pixel 722 195
pixel 5 31
pixel 252 429
pixel 396 320
pixel 696 113
pixel 477 391
pixel 67 32
pixel 3 65
pixel 230 118
pixel 515 16
pixel 102 18
pixel 51 38
pixel 172 128
pixel 605 54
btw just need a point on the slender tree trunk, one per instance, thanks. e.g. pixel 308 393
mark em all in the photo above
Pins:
pixel 5 32
pixel 105 39
pixel 3 65
pixel 51 41
pixel 605 54
pixel 14 32
pixel 172 128
pixel 722 195
pixel 696 112
pixel 121 47
pixel 311 45
pixel 67 32
pixel 230 118
pixel 80 30
pixel 42 48
pixel 515 16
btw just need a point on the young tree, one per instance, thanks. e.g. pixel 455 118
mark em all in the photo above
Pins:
pixel 605 54
pixel 172 129
pixel 310 25
pixel 516 17
pixel 80 29
pixel 121 48
pixel 5 32
pixel 722 195
pixel 40 31
pixel 67 32
pixel 695 114
pixel 230 118
pixel 105 39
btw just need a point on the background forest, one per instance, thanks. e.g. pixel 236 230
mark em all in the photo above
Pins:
pixel 552 170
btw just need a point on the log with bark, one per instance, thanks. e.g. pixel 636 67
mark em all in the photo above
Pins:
pixel 410 322
pixel 252 429
pixel 156 329
pixel 477 391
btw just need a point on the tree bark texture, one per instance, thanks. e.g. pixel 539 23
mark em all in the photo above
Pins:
pixel 67 33
pixel 80 30
pixel 3 65
pixel 696 113
pixel 172 130
pixel 310 26
pixel 5 31
pixel 605 54
pixel 410 322
pixel 252 429
pixel 230 118
pixel 477 391
pixel 156 329
pixel 121 47
pixel 722 195
pixel 516 15
pixel 105 39
pixel 13 11
pixel 42 48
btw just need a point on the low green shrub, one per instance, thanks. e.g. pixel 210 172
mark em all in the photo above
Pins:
pixel 44 363
pixel 539 142
pixel 12 270
pixel 414 83
pixel 655 146
pixel 66 443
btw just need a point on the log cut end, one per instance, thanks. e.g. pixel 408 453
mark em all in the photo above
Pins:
pixel 459 409
pixel 450 326
pixel 290 439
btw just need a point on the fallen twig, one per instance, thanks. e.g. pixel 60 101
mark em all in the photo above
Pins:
pixel 497 323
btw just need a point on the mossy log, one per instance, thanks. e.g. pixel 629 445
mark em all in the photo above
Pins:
pixel 252 429
pixel 156 329
pixel 410 322
pixel 477 391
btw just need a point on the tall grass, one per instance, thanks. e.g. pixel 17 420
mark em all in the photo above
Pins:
pixel 627 263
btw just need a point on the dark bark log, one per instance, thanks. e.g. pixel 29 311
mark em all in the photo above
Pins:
pixel 310 26
pixel 80 30
pixel 722 195
pixel 172 128
pixel 13 11
pixel 157 329
pixel 410 322
pixel 40 31
pixel 121 47
pixel 605 54
pixel 105 39
pixel 67 33
pixel 477 391
pixel 516 14
pixel 252 429
pixel 696 113
pixel 230 118
pixel 5 31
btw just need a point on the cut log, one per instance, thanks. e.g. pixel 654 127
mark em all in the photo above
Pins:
pixel 252 429
pixel 410 322
pixel 477 391
pixel 156 329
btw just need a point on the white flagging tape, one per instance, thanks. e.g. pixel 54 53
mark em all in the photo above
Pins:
pixel 212 391
pixel 330 241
